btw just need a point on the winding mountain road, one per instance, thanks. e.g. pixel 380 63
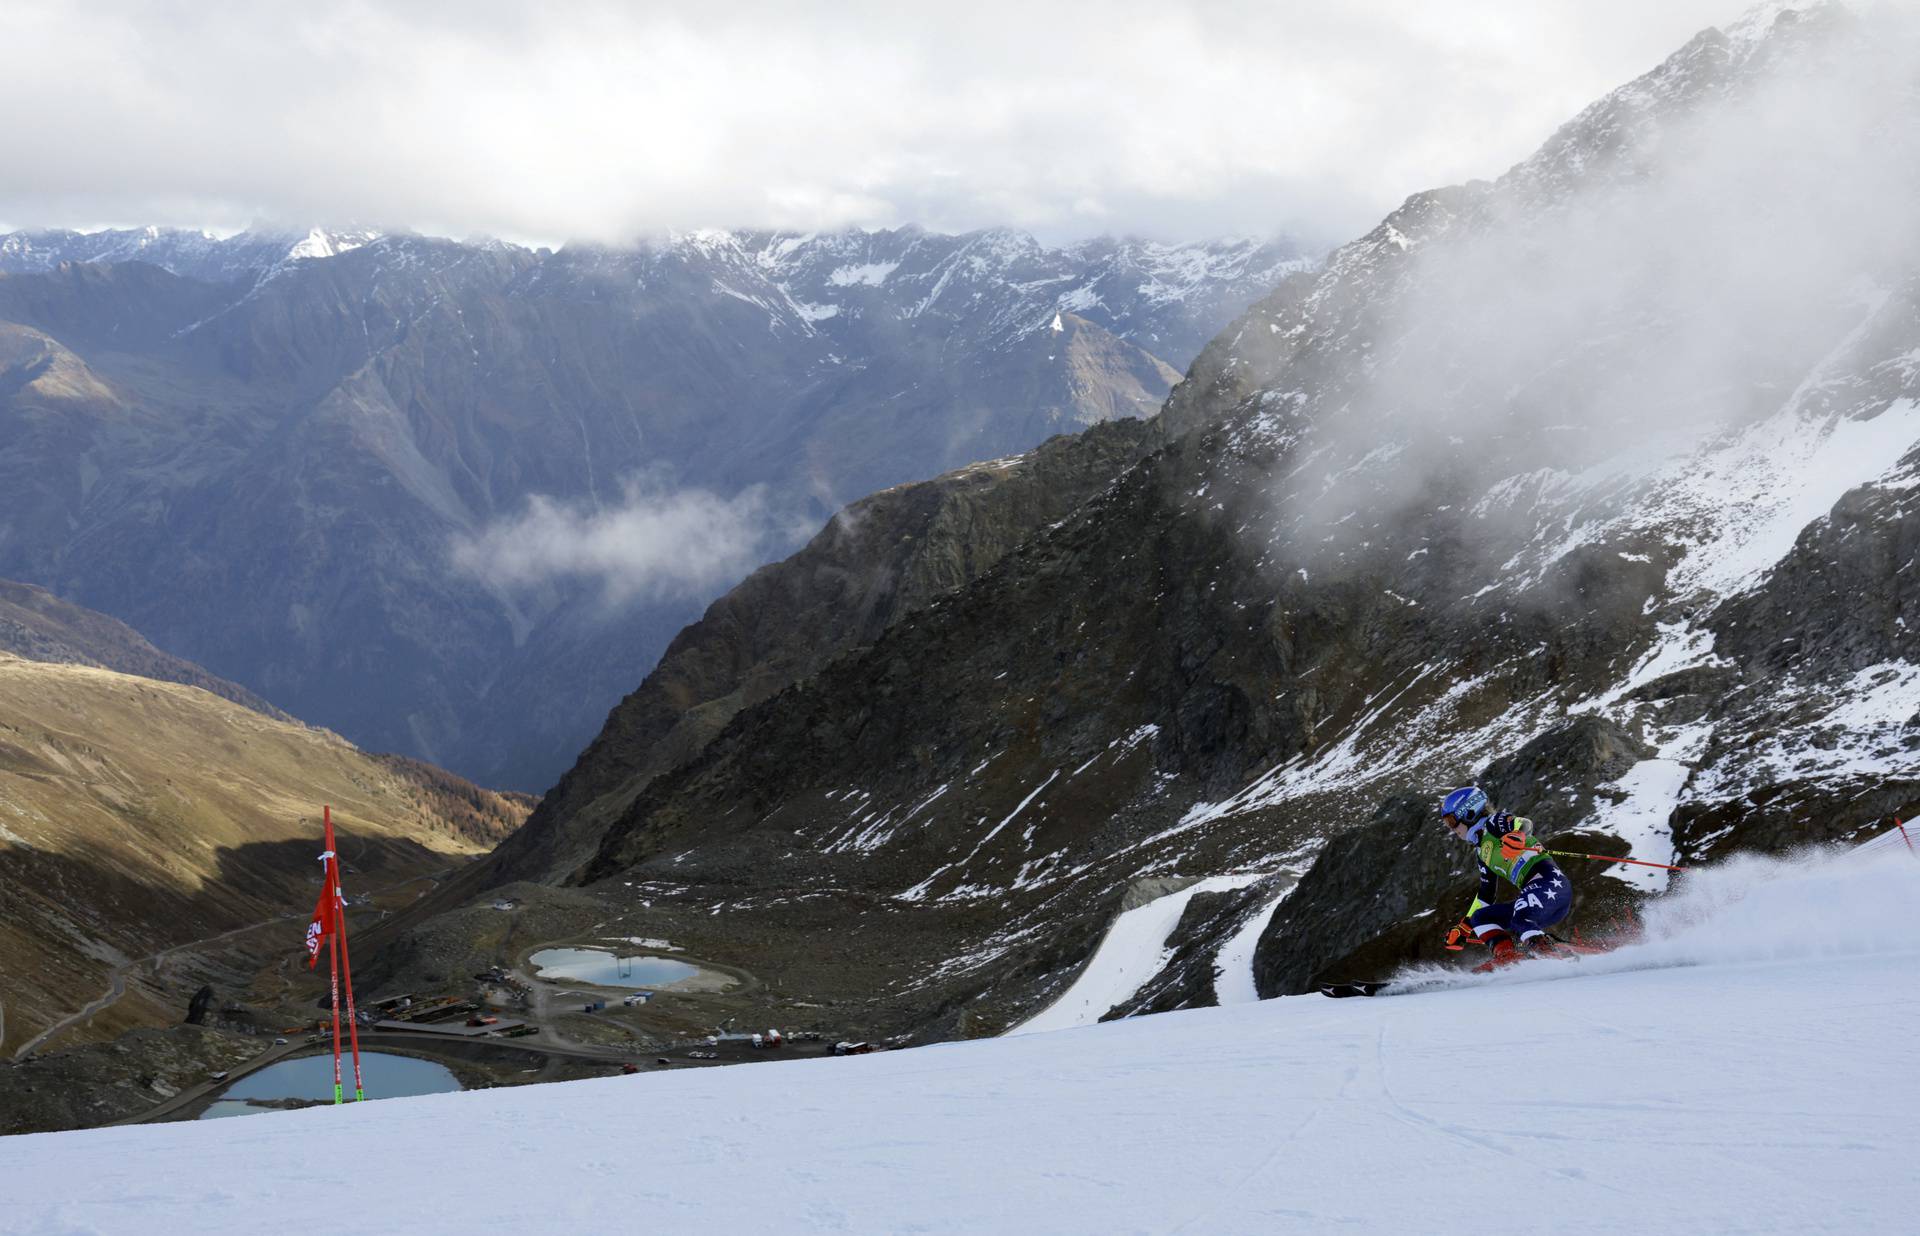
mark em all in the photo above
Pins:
pixel 117 983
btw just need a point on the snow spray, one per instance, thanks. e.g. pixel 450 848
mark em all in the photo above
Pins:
pixel 1749 909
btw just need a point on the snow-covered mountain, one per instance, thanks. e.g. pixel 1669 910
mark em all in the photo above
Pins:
pixel 1168 298
pixel 1739 1073
pixel 1006 283
pixel 244 257
pixel 320 463
pixel 1594 482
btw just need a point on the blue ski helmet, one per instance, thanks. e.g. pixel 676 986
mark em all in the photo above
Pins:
pixel 1466 804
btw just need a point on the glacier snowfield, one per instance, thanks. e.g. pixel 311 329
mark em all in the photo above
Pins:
pixel 1748 1069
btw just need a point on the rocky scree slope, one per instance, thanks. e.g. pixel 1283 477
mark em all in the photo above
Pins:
pixel 888 555
pixel 263 451
pixel 1498 474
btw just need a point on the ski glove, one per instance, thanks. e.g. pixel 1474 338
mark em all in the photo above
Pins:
pixel 1513 845
pixel 1458 937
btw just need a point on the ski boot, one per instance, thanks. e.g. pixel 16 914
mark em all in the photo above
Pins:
pixel 1544 945
pixel 1504 954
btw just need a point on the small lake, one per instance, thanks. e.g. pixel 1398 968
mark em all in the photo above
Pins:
pixel 386 1076
pixel 604 969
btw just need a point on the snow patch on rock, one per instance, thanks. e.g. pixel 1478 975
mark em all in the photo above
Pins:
pixel 1133 951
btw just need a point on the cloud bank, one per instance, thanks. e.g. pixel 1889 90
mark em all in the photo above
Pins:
pixel 658 544
pixel 608 121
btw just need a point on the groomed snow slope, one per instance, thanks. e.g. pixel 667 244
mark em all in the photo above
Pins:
pixel 1758 1077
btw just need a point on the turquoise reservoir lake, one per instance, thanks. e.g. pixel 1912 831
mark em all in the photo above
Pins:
pixel 311 1077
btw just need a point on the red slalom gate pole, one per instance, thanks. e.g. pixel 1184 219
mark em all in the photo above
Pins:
pixel 333 956
pixel 346 964
pixel 1905 836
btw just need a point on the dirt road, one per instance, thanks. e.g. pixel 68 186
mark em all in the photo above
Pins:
pixel 117 983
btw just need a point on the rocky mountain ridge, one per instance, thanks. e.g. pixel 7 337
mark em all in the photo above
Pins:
pixel 245 258
pixel 878 561
pixel 1161 296
pixel 35 625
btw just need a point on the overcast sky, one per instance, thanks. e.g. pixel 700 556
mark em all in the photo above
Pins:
pixel 610 121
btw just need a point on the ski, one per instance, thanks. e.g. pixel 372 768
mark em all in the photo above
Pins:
pixel 1340 991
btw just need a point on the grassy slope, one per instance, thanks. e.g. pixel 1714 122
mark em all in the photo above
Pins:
pixel 136 815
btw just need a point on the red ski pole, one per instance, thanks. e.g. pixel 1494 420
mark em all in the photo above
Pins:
pixel 1603 858
pixel 346 964
pixel 333 957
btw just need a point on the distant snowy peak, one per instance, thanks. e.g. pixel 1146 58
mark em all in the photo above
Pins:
pixel 993 287
pixel 320 243
pixel 1609 131
pixel 1752 27
pixel 22 252
pixel 1168 298
pixel 193 254
pixel 863 256
pixel 1175 271
pixel 871 274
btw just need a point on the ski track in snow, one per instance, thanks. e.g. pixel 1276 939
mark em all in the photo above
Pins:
pixel 1233 965
pixel 1133 951
pixel 1748 1077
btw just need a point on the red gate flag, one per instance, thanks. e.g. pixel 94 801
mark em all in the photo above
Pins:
pixel 322 924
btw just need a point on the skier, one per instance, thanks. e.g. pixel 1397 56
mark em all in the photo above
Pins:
pixel 1503 846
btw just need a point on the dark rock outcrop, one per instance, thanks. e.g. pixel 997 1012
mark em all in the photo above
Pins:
pixel 1390 871
pixel 883 558
pixel 198 1007
pixel 1553 778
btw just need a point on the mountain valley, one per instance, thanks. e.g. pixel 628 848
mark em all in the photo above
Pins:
pixel 432 494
